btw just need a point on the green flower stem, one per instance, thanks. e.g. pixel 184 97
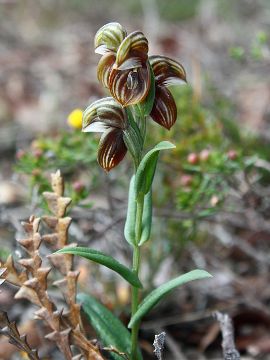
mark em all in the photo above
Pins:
pixel 141 121
pixel 135 268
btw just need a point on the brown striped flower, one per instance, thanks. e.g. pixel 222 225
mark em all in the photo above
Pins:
pixel 167 72
pixel 124 67
pixel 109 118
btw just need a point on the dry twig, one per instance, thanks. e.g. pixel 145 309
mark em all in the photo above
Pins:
pixel 10 330
pixel 228 345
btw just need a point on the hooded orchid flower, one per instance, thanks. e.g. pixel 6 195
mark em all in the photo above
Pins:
pixel 107 117
pixel 167 72
pixel 119 134
pixel 123 68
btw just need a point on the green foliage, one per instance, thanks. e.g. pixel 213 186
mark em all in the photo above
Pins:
pixel 206 183
pixel 106 260
pixel 108 327
pixel 156 295
pixel 237 52
pixel 146 171
pixel 67 151
pixel 129 230
pixel 147 218
pixel 257 52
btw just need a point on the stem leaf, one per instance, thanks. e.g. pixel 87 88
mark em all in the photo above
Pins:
pixel 156 295
pixel 106 260
pixel 146 170
pixel 107 326
pixel 147 218
pixel 129 230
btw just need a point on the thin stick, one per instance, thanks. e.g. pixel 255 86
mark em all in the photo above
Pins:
pixel 228 345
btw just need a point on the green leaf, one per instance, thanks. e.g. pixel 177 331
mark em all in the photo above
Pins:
pixel 147 218
pixel 129 230
pixel 109 328
pixel 156 295
pixel 146 170
pixel 105 260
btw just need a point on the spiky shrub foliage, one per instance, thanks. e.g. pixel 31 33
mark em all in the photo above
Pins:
pixel 30 274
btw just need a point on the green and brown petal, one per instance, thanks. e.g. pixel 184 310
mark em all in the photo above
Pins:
pixel 102 114
pixel 167 71
pixel 132 52
pixel 104 68
pixel 112 149
pixel 109 37
pixel 107 116
pixel 130 87
pixel 124 68
pixel 164 110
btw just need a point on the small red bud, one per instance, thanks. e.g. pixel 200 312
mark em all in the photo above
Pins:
pixel 78 186
pixel 37 153
pixel 186 180
pixel 232 154
pixel 20 154
pixel 204 155
pixel 192 158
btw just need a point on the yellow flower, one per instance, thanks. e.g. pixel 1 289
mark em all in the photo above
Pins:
pixel 24 355
pixel 75 119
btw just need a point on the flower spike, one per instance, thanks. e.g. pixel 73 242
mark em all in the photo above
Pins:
pixel 132 78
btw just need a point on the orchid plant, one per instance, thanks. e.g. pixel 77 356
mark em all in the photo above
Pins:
pixel 138 85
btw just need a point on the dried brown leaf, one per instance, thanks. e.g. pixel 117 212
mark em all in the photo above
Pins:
pixel 50 221
pixel 57 182
pixel 28 293
pixel 13 275
pixel 62 339
pixel 10 330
